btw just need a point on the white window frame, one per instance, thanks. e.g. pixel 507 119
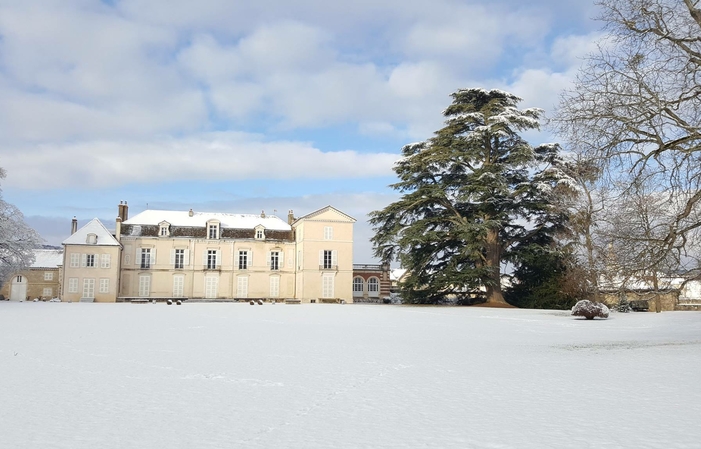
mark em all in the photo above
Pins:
pixel 90 261
pixel 374 287
pixel 75 260
pixel 88 288
pixel 144 285
pixel 148 258
pixel 48 275
pixel 328 232
pixel 213 230
pixel 327 285
pixel 179 286
pixel 356 291
pixel 104 285
pixel 212 259
pixel 274 260
pixel 48 291
pixel 72 285
pixel 105 261
pixel 260 234
pixel 244 262
pixel 274 286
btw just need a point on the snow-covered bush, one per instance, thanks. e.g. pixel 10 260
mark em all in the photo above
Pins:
pixel 590 310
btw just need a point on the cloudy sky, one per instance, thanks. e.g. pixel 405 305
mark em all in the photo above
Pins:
pixel 241 106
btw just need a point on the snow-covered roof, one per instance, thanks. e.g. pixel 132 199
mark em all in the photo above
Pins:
pixel 94 226
pixel 47 258
pixel 397 274
pixel 200 219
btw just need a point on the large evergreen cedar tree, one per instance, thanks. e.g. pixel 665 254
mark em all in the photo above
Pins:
pixel 474 195
pixel 17 240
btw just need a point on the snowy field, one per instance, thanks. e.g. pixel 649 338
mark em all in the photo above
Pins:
pixel 344 376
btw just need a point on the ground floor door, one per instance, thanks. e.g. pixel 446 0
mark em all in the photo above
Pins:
pixel 18 288
pixel 211 287
pixel 242 287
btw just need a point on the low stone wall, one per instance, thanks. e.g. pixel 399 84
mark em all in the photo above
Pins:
pixel 668 299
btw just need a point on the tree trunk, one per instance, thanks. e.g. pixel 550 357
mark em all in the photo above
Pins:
pixel 493 262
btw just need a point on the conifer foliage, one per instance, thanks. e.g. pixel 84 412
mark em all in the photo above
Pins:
pixel 471 195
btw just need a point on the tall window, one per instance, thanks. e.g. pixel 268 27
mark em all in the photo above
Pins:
pixel 327 285
pixel 242 287
pixel 179 261
pixel 104 285
pixel 178 286
pixel 72 285
pixel 243 260
pixel 274 286
pixel 105 261
pixel 328 259
pixel 48 275
pixel 211 259
pixel 89 260
pixel 358 285
pixel 164 231
pixel 48 291
pixel 260 234
pixel 274 260
pixel 144 286
pixel 211 286
pixel 145 258
pixel 374 287
pixel 328 233
pixel 88 288
pixel 213 231
pixel 75 260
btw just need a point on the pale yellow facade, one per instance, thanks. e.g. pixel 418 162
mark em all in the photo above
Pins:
pixel 174 254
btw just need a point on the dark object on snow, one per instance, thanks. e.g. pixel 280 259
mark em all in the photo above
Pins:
pixel 260 303
pixel 251 302
pixel 590 310
pixel 640 305
pixel 179 302
pixel 170 302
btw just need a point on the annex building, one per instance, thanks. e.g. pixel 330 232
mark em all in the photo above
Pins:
pixel 161 254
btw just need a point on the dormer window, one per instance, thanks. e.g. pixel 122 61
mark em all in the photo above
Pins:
pixel 213 230
pixel 260 233
pixel 91 239
pixel 163 229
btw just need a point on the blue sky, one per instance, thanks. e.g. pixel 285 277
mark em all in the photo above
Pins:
pixel 232 106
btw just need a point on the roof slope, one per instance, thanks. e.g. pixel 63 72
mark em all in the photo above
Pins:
pixel 200 219
pixel 327 209
pixel 47 258
pixel 94 226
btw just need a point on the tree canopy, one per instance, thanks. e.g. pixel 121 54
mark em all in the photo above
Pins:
pixel 472 196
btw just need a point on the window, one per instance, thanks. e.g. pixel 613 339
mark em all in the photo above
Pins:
pixel 48 291
pixel 328 233
pixel 327 285
pixel 178 286
pixel 104 285
pixel 213 231
pixel 260 235
pixel 179 258
pixel 19 279
pixel 144 286
pixel 48 275
pixel 358 286
pixel 89 261
pixel 163 231
pixel 88 288
pixel 211 285
pixel 374 287
pixel 275 260
pixel 274 286
pixel 328 259
pixel 243 260
pixel 145 258
pixel 91 239
pixel 72 285
pixel 212 259
pixel 105 261
pixel 242 287
pixel 75 260
pixel 127 254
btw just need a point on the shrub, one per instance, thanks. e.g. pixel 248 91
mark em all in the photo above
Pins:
pixel 590 310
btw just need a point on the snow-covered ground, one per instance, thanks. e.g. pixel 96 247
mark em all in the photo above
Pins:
pixel 344 376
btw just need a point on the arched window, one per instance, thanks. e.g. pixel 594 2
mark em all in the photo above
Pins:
pixel 358 285
pixel 374 287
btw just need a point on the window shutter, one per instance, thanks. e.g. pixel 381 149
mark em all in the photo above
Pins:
pixel 127 255
pixel 218 258
pixel 83 260
pixel 267 261
pixel 172 256
pixel 321 257
pixel 153 256
pixel 186 257
pixel 290 259
pixel 334 258
pixel 281 262
pixel 106 260
pixel 204 258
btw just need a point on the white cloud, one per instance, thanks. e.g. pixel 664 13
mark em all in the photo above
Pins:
pixel 203 157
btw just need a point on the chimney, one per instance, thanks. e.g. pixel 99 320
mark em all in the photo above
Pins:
pixel 118 229
pixel 290 217
pixel 123 211
pixel 190 213
pixel 74 225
